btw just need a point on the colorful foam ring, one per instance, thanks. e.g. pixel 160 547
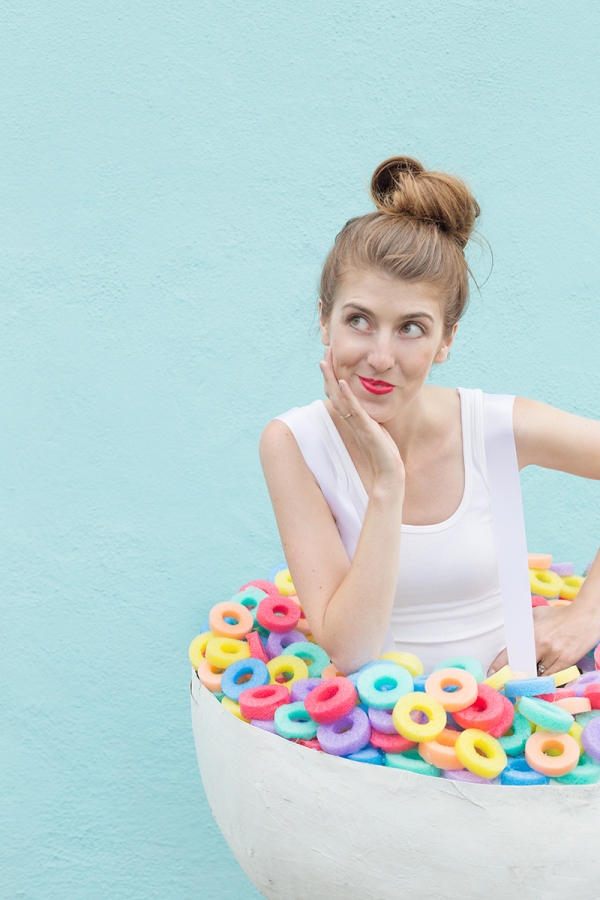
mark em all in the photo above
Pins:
pixel 584 718
pixel 562 569
pixel 381 720
pixel 198 648
pixel 382 686
pixel 257 650
pixel 506 721
pixel 536 600
pixel 275 570
pixel 411 761
pixel 571 586
pixel 552 754
pixel 530 687
pixel 419 731
pixel 545 583
pixel 487 710
pixel 250 598
pixel 277 643
pixel 346 735
pixel 465 685
pixel 284 583
pixel 242 675
pixel 302 687
pixel 408 661
pixel 261 702
pixel 500 678
pixel 331 700
pixel 294 723
pixel 469 777
pixel 279 614
pixel 264 725
pixel 314 656
pixel 518 772
pixel 565 676
pixel 548 716
pixel 312 744
pixel 591 692
pixel 480 753
pixel 585 772
pixel 368 755
pixel 576 731
pixel 233 708
pixel 590 738
pixel 210 676
pixel 243 620
pixel 419 683
pixel 441 752
pixel 558 602
pixel 514 740
pixel 539 560
pixel 222 651
pixel 288 668
pixel 468 663
pixel 574 705
pixel 267 586
pixel 390 743
pixel 597 656
pixel 330 671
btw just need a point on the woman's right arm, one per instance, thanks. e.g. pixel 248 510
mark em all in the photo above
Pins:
pixel 348 605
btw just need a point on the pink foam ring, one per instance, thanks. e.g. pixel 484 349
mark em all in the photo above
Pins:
pixel 381 720
pixel 536 600
pixel 590 738
pixel 505 722
pixel 563 569
pixel 346 735
pixel 256 646
pixel 276 643
pixel 264 725
pixel 465 775
pixel 267 586
pixel 312 744
pixel 486 712
pixel 562 693
pixel 277 613
pixel 261 702
pixel 331 700
pixel 390 743
pixel 597 657
pixel 592 693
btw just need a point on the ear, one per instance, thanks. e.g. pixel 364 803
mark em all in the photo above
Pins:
pixel 323 325
pixel 444 351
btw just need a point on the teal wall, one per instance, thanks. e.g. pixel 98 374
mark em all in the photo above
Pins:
pixel 173 174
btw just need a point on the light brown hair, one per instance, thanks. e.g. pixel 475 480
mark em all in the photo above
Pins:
pixel 418 233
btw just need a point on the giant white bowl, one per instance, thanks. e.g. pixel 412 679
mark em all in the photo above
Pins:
pixel 307 826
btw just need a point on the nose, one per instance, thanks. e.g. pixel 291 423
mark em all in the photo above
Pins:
pixel 381 355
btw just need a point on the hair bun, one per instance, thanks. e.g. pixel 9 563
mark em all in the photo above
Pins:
pixel 402 187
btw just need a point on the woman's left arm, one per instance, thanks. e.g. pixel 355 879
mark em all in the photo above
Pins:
pixel 554 439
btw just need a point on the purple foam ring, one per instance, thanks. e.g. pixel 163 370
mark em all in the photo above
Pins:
pixel 465 775
pixel 563 569
pixel 579 685
pixel 586 663
pixel 347 735
pixel 276 643
pixel 590 738
pixel 302 687
pixel 587 569
pixel 381 720
pixel 265 724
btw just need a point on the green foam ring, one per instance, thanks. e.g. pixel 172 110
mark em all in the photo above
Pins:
pixel 585 772
pixel 584 718
pixel 547 715
pixel 514 744
pixel 314 656
pixel 411 761
pixel 293 722
pixel 466 663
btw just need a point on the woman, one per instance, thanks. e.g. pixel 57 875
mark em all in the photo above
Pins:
pixel 380 493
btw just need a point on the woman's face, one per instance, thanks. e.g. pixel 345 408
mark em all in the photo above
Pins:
pixel 385 334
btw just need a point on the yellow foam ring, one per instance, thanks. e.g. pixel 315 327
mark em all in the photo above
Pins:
pixel 500 678
pixel 284 583
pixel 419 702
pixel 310 638
pixel 488 765
pixel 539 560
pixel 198 647
pixel 545 583
pixel 408 661
pixel 287 665
pixel 233 707
pixel 223 651
pixel 566 675
pixel 575 732
pixel 571 586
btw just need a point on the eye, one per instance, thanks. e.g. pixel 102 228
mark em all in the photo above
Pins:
pixel 358 322
pixel 412 329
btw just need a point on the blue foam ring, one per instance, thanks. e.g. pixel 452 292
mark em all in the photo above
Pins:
pixel 382 686
pixel 585 772
pixel 519 772
pixel 250 666
pixel 530 687
pixel 294 723
pixel 548 716
pixel 306 651
pixel 370 755
pixel 514 744
pixel 419 683
pixel 412 762
pixel 276 570
pixel 584 718
pixel 466 663
pixel 204 627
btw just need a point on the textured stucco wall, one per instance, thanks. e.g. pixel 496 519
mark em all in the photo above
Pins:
pixel 172 176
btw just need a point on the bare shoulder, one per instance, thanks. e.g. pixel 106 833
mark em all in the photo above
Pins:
pixel 555 439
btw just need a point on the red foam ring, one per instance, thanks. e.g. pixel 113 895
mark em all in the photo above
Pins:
pixel 563 694
pixel 592 692
pixel 536 600
pixel 261 702
pixel 485 712
pixel 597 657
pixel 331 700
pixel 278 614
pixel 312 744
pixel 256 647
pixel 505 722
pixel 390 743
pixel 267 586
pixel 550 698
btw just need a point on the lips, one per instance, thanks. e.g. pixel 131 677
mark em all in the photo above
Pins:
pixel 376 387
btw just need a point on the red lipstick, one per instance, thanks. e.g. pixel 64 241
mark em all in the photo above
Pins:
pixel 376 387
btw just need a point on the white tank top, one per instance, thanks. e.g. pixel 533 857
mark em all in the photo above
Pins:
pixel 448 599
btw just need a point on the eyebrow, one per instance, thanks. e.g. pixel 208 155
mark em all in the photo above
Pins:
pixel 415 315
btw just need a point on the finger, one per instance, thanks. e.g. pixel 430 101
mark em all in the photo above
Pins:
pixel 331 383
pixel 499 663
